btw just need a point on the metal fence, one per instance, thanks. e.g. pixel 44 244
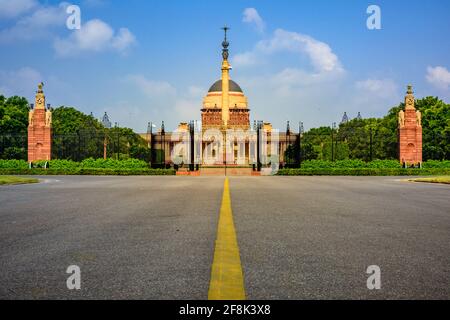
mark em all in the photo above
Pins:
pixel 78 146
pixel 355 140
pixel 348 141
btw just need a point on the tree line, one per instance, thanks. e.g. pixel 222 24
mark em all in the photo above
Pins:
pixel 77 136
pixel 376 138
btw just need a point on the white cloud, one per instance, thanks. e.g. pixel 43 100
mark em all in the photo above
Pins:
pixel 372 96
pixel 384 88
pixel 310 92
pixel 41 23
pixel 246 59
pixel 46 21
pixel 317 93
pixel 196 92
pixel 24 82
pixel 21 82
pixel 163 101
pixel 151 88
pixel 187 109
pixel 251 16
pixel 123 40
pixel 326 67
pixel 438 77
pixel 14 8
pixel 289 81
pixel 321 56
pixel 187 105
pixel 94 36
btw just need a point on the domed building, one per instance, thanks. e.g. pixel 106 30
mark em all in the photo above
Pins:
pixel 225 105
pixel 225 137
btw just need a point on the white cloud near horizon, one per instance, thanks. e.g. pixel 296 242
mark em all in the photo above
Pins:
pixel 167 103
pixel 383 88
pixel 13 8
pixel 439 77
pixel 23 82
pixel 373 96
pixel 20 82
pixel 151 88
pixel 252 17
pixel 94 36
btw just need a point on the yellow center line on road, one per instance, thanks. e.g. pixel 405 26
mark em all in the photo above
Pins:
pixel 227 280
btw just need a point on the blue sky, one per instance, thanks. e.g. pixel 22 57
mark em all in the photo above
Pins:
pixel 143 60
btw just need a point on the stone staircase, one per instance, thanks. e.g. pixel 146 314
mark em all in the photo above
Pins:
pixel 220 171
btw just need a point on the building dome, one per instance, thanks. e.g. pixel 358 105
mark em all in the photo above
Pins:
pixel 217 86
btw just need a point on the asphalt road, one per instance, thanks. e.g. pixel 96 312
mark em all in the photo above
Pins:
pixel 132 237
pixel 153 237
pixel 314 237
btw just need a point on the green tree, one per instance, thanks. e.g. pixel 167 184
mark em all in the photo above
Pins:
pixel 316 142
pixel 325 143
pixel 13 115
pixel 436 128
pixel 125 143
pixel 76 136
pixel 356 135
pixel 13 127
pixel 385 136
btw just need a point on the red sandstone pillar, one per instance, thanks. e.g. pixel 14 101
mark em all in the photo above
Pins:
pixel 410 132
pixel 39 129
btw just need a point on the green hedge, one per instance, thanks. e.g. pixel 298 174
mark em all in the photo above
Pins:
pixel 376 164
pixel 436 164
pixel 89 171
pixel 364 172
pixel 114 164
pixel 13 164
pixel 95 164
pixel 69 164
pixel 57 164
pixel 322 164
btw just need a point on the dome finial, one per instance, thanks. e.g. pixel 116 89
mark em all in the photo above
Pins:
pixel 225 44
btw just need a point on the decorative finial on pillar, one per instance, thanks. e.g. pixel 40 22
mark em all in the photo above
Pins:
pixel 225 44
pixel 40 86
pixel 410 91
pixel 409 98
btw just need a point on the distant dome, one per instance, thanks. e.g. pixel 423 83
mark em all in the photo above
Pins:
pixel 217 86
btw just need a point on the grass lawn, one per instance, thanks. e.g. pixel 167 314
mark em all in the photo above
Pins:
pixel 445 179
pixel 16 180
